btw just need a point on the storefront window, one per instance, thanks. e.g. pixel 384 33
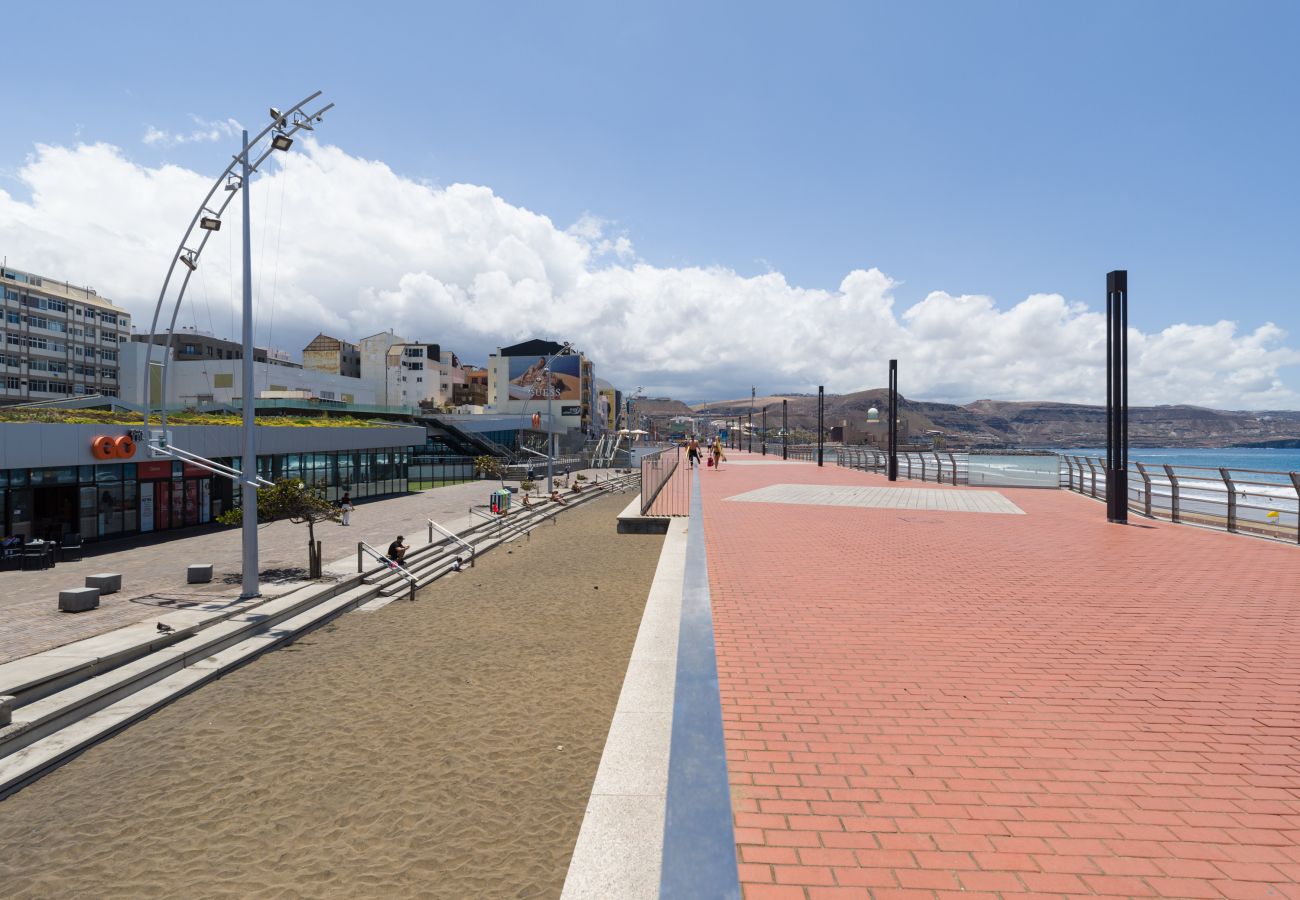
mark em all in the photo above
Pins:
pixel 108 473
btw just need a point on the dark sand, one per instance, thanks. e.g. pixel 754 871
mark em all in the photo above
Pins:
pixel 442 748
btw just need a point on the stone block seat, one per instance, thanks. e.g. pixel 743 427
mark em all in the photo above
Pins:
pixel 107 582
pixel 199 573
pixel 78 599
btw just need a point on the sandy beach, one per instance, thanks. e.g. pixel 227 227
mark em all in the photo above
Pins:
pixel 441 748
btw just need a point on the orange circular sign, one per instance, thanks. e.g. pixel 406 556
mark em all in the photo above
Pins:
pixel 103 447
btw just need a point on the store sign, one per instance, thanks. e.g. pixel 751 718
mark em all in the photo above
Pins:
pixel 107 446
pixel 570 410
pixel 146 505
pixel 157 469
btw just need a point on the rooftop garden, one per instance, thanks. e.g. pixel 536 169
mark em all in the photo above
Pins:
pixel 126 419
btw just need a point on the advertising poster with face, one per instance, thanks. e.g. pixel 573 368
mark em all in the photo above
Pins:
pixel 528 378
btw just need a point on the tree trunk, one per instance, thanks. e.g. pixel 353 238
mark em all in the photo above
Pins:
pixel 313 558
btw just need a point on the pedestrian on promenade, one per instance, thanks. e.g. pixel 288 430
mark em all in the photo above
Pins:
pixel 693 452
pixel 718 455
pixel 345 506
pixel 397 550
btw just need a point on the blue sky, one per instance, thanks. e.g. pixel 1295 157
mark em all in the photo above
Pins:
pixel 1000 149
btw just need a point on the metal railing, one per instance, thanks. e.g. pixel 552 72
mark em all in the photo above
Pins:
pixel 658 483
pixel 1259 502
pixel 938 466
pixel 394 565
pixel 453 536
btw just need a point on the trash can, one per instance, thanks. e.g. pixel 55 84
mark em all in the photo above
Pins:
pixel 499 501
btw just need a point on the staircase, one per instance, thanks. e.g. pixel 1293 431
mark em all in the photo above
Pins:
pixel 70 698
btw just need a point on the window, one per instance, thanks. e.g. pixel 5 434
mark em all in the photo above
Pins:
pixel 108 337
pixel 109 355
pixel 13 318
pixel 56 305
pixel 54 325
pixel 414 366
pixel 38 322
pixel 11 383
pixel 40 386
pixel 189 348
pixel 108 373
pixel 413 351
pixel 108 318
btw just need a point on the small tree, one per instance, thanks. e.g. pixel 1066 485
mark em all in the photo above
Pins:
pixel 299 503
pixel 487 466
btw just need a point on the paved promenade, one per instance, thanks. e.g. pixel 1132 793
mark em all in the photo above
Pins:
pixel 929 697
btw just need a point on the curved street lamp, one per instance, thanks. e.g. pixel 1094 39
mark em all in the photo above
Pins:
pixel 208 220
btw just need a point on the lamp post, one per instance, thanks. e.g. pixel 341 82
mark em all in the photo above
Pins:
pixel 1117 397
pixel 765 431
pixel 753 392
pixel 893 420
pixel 282 128
pixel 785 428
pixel 821 420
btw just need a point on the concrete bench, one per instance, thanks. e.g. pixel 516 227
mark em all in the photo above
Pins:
pixel 107 582
pixel 78 599
pixel 199 573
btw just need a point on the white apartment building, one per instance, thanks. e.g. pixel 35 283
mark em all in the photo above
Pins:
pixel 409 374
pixel 60 340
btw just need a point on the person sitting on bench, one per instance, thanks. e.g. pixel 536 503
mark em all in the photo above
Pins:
pixel 556 498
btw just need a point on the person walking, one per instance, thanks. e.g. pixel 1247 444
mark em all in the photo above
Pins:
pixel 693 452
pixel 718 455
pixel 345 507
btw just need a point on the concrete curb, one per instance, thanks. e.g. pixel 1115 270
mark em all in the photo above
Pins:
pixel 620 846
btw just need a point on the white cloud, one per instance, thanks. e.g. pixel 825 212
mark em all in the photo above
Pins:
pixel 204 132
pixel 347 246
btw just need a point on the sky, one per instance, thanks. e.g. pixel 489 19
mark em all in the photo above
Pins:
pixel 703 197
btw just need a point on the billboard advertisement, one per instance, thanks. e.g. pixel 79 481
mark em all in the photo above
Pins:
pixel 606 409
pixel 528 378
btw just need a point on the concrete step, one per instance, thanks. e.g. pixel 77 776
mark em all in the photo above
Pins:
pixel 42 717
pixel 32 761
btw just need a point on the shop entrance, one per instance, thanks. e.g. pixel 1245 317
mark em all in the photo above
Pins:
pixel 54 512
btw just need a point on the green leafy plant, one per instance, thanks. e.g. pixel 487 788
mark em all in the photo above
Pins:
pixel 487 466
pixel 296 501
pixel 526 485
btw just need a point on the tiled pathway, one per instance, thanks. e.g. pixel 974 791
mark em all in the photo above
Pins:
pixel 927 704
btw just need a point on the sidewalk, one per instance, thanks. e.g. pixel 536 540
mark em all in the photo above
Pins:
pixel 153 566
pixel 944 699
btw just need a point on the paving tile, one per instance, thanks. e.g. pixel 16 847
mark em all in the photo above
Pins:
pixel 1032 703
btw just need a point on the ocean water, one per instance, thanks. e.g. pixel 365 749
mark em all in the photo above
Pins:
pixel 1270 459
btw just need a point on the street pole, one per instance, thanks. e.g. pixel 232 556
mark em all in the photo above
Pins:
pixel 753 392
pixel 821 423
pixel 1117 397
pixel 785 428
pixel 550 433
pixel 893 420
pixel 248 492
pixel 765 431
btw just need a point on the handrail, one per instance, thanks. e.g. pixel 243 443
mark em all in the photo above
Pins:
pixel 390 563
pixel 455 537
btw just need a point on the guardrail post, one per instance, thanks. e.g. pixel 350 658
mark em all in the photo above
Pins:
pixel 430 532
pixel 952 460
pixel 1069 472
pixel 1146 488
pixel 909 467
pixel 1093 473
pixel 1232 499
pixel 1173 492
pixel 360 567
pixel 1295 482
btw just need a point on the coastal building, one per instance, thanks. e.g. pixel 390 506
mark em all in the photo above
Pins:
pixel 332 356
pixel 60 340
pixel 412 375
pixel 191 345
pixel 201 380
pixel 54 482
pixel 517 383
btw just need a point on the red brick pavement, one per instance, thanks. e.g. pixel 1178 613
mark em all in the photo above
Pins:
pixel 935 704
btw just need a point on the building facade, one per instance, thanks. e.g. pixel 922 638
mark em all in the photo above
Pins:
pixel 332 356
pixel 517 383
pixel 59 341
pixel 202 380
pixel 52 483
pixel 191 345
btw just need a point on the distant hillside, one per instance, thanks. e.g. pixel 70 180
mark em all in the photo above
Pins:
pixel 1000 423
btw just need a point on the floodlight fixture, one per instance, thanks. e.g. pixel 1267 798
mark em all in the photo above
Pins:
pixel 189 260
pixel 281 141
pixel 278 117
pixel 210 221
pixel 234 183
pixel 303 121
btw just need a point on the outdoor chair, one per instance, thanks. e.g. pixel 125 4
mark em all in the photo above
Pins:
pixel 71 547
pixel 35 559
